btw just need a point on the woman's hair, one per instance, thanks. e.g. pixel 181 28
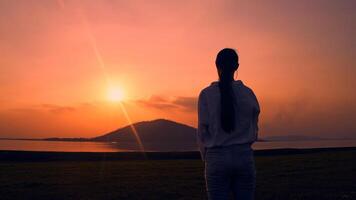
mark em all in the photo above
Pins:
pixel 227 62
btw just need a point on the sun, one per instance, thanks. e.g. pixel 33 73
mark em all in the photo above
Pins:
pixel 115 94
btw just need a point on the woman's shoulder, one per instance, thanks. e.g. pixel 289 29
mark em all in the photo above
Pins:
pixel 213 85
pixel 246 89
pixel 243 86
pixel 209 91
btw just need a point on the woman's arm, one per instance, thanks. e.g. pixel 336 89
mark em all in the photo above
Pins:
pixel 257 111
pixel 203 125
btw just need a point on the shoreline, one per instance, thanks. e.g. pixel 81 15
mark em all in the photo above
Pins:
pixel 25 156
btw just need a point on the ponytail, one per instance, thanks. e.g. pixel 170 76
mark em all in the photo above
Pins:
pixel 227 64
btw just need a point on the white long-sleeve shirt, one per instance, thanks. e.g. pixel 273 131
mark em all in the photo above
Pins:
pixel 210 133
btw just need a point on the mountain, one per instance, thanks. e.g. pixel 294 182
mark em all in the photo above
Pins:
pixel 156 135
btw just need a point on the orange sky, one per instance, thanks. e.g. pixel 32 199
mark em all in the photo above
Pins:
pixel 59 58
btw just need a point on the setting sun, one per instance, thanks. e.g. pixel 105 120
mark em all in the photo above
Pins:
pixel 115 94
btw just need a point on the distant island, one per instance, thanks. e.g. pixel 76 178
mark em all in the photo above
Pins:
pixel 156 135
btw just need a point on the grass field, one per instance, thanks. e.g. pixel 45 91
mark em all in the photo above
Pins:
pixel 327 175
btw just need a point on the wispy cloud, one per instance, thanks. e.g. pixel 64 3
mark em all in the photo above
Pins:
pixel 57 109
pixel 187 104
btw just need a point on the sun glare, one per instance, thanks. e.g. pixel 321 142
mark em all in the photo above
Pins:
pixel 115 94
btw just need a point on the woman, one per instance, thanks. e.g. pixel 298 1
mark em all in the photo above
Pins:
pixel 227 126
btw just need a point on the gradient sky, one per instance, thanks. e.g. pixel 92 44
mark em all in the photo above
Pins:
pixel 58 59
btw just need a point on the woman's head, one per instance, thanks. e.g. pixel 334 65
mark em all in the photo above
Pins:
pixel 227 62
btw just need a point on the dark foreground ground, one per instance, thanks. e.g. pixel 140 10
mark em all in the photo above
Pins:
pixel 281 174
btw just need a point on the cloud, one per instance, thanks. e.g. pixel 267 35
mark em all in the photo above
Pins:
pixel 156 102
pixel 56 109
pixel 186 104
pixel 50 108
pixel 85 119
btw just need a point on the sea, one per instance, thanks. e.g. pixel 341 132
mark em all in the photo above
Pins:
pixel 64 146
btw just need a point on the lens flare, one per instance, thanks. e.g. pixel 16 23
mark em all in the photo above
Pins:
pixel 115 94
pixel 134 131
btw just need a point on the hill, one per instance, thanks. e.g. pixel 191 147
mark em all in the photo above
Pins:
pixel 156 135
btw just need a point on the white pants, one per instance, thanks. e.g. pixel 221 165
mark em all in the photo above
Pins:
pixel 230 169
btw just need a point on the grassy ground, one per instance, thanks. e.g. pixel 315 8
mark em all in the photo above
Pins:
pixel 323 175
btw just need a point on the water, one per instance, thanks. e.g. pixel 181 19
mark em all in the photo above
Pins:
pixel 60 146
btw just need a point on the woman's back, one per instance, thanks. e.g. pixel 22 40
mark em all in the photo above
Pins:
pixel 246 112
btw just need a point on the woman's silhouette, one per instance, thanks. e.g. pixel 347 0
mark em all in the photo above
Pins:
pixel 227 126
